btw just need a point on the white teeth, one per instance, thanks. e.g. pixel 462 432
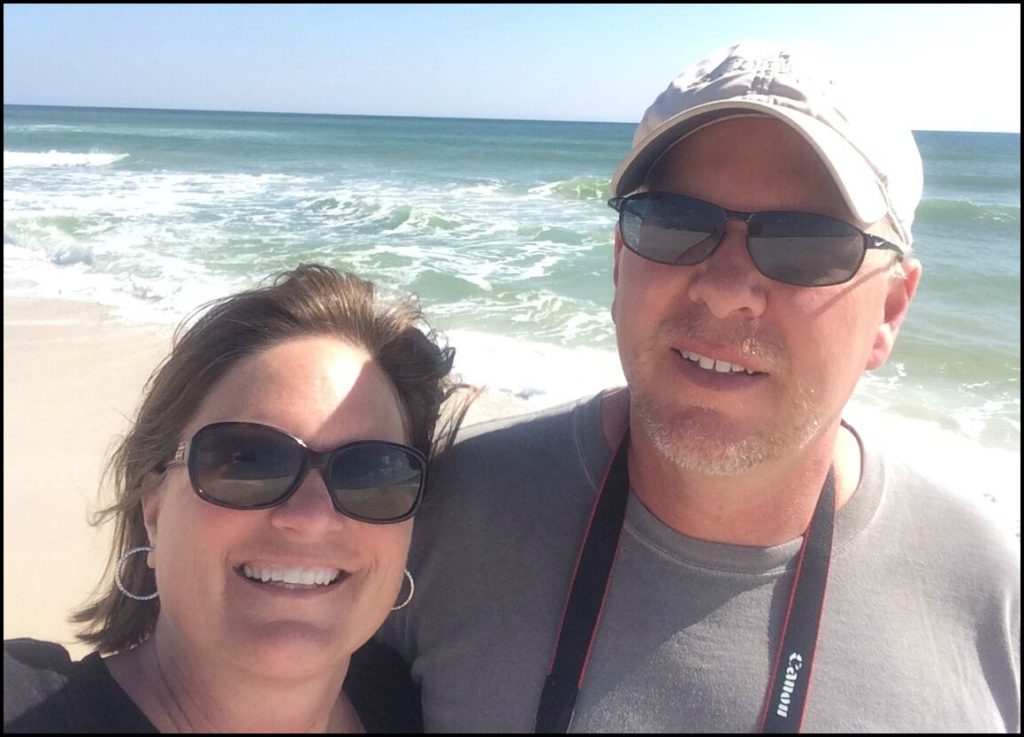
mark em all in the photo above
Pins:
pixel 722 367
pixel 303 576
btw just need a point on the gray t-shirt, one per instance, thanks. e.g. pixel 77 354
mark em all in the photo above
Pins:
pixel 920 631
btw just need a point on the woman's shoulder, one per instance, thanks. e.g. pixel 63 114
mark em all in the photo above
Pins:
pixel 46 691
pixel 36 655
pixel 35 675
pixel 33 667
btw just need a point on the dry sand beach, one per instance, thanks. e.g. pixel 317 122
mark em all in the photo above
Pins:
pixel 73 375
pixel 72 378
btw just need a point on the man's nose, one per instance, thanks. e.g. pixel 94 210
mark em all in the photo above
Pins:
pixel 727 282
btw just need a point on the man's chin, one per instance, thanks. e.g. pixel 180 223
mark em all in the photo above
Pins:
pixel 703 441
pixel 709 458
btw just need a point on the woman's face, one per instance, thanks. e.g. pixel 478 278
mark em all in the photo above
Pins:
pixel 327 393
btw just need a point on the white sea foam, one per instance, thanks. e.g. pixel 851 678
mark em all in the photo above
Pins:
pixel 544 374
pixel 18 159
pixel 544 190
pixel 141 197
pixel 487 188
pixel 36 127
pixel 577 188
pixel 541 267
pixel 989 477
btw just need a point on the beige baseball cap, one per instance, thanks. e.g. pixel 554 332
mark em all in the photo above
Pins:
pixel 874 161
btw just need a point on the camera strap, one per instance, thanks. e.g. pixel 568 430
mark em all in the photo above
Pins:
pixel 786 697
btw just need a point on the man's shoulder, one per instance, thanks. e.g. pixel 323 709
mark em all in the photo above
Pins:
pixel 962 518
pixel 516 432
pixel 556 447
pixel 511 422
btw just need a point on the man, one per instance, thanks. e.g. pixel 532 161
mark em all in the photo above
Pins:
pixel 748 561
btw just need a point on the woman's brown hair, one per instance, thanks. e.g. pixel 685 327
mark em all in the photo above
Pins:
pixel 310 300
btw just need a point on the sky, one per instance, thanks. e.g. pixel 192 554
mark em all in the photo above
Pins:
pixel 937 67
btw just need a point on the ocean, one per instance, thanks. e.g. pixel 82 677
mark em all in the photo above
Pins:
pixel 501 228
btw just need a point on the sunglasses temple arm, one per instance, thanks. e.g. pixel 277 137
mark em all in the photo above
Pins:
pixel 179 457
pixel 874 241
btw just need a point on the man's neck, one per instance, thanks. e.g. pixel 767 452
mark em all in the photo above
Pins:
pixel 767 505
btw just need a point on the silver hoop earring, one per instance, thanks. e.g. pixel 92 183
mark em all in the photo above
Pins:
pixel 412 590
pixel 117 575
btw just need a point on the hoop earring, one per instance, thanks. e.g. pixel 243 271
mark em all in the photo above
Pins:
pixel 117 575
pixel 412 590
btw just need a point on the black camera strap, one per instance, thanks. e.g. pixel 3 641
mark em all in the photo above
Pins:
pixel 786 697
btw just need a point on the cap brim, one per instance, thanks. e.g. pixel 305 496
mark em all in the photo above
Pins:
pixel 852 174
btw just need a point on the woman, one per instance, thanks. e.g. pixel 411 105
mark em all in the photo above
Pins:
pixel 244 580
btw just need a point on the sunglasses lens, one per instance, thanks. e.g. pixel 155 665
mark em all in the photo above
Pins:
pixel 243 466
pixel 376 481
pixel 670 229
pixel 804 249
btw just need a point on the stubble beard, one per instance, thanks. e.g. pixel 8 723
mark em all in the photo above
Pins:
pixel 701 450
pixel 698 447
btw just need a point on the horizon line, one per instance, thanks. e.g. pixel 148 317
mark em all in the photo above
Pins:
pixel 421 117
pixel 339 115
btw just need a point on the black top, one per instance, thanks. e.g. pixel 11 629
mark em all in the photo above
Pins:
pixel 44 691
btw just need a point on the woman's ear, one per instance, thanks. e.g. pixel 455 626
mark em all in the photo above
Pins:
pixel 151 498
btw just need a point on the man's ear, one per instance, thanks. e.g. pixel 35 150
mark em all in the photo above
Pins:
pixel 897 302
pixel 615 256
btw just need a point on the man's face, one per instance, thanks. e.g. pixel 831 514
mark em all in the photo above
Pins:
pixel 683 330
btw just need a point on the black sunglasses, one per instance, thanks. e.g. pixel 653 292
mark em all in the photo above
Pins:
pixel 245 465
pixel 799 248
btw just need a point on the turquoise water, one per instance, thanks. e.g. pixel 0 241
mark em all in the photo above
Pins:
pixel 499 226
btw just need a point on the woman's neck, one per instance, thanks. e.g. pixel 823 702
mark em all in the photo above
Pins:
pixel 196 695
